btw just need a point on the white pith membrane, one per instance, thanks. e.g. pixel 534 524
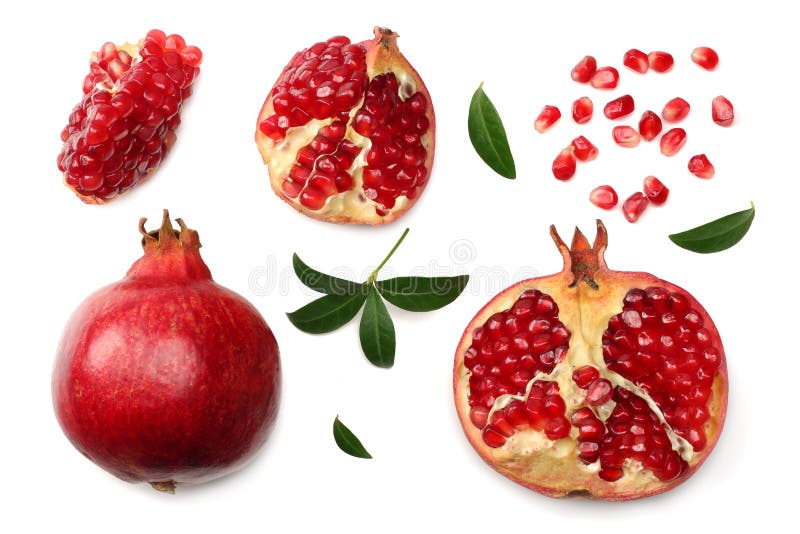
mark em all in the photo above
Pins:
pixel 553 466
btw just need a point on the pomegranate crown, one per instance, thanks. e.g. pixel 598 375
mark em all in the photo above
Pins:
pixel 166 236
pixel 582 260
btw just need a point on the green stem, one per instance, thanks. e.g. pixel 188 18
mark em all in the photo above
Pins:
pixel 374 274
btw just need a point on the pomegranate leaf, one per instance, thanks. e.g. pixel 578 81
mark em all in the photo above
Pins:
pixel 324 283
pixel 347 441
pixel 377 331
pixel 328 313
pixel 420 294
pixel 716 235
pixel 488 136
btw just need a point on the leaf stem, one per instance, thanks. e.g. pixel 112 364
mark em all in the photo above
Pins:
pixel 374 275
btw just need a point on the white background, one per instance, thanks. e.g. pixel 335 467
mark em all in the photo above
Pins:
pixel 425 475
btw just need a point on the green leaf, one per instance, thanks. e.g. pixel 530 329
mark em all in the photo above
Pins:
pixel 420 294
pixel 488 135
pixel 322 282
pixel 716 235
pixel 377 331
pixel 327 313
pixel 347 441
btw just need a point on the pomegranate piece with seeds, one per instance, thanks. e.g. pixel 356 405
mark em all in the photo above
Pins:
pixel 675 110
pixel 705 57
pixel 701 167
pixel 582 110
pixel 347 132
pixel 583 149
pixel 660 61
pixel 592 382
pixel 603 196
pixel 125 124
pixel 626 136
pixel 655 191
pixel 564 165
pixel 583 71
pixel 672 141
pixel 619 107
pixel 605 78
pixel 547 118
pixel 634 206
pixel 722 111
pixel 649 125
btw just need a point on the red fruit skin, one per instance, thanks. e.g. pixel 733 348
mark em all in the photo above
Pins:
pixel 166 376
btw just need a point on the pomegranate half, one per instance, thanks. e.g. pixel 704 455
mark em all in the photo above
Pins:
pixel 347 132
pixel 166 376
pixel 592 382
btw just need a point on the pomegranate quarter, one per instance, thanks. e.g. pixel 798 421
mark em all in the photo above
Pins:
pixel 347 132
pixel 165 376
pixel 592 382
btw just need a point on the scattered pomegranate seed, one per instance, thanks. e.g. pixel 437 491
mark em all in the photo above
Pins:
pixel 584 70
pixel 602 196
pixel 619 107
pixel 649 125
pixel 672 141
pixel 634 205
pixel 605 78
pixel 660 61
pixel 705 57
pixel 564 164
pixel 583 149
pixel 655 191
pixel 701 167
pixel 582 109
pixel 636 60
pixel 722 111
pixel 675 110
pixel 547 117
pixel 626 136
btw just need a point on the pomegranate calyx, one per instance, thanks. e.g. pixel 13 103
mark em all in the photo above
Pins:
pixel 166 236
pixel 582 260
pixel 169 254
pixel 165 487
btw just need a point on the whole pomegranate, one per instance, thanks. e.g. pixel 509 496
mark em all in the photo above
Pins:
pixel 347 132
pixel 166 376
pixel 592 382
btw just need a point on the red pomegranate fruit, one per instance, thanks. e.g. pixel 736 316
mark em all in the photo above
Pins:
pixel 347 132
pixel 166 376
pixel 592 382
pixel 125 124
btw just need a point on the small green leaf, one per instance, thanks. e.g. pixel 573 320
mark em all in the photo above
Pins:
pixel 347 441
pixel 420 294
pixel 322 282
pixel 327 313
pixel 377 331
pixel 488 135
pixel 716 235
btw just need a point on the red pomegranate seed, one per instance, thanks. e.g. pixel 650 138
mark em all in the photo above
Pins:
pixel 619 107
pixel 583 149
pixel 705 57
pixel 583 376
pixel 604 197
pixel 547 117
pixel 672 141
pixel 701 167
pixel 675 110
pixel 583 71
pixel 599 392
pixel 582 109
pixel 649 125
pixel 634 205
pixel 636 60
pixel 564 167
pixel 626 136
pixel 655 191
pixel 605 78
pixel 722 111
pixel 660 61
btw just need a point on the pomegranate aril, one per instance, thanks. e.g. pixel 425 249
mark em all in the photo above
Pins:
pixel 655 190
pixel 584 376
pixel 610 474
pixel 599 392
pixel 672 141
pixel 583 149
pixel 705 57
pixel 634 206
pixel 605 78
pixel 660 61
pixel 722 111
pixel 675 110
pixel 701 167
pixel 564 165
pixel 583 71
pixel 605 197
pixel 636 60
pixel 557 428
pixel 649 125
pixel 619 107
pixel 626 136
pixel 582 110
pixel 547 117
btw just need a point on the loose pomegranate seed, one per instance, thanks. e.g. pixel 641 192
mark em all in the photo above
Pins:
pixel 583 71
pixel 584 376
pixel 547 117
pixel 599 392
pixel 649 125
pixel 705 57
pixel 672 141
pixel 605 78
pixel 564 165
pixel 655 190
pixel 636 60
pixel 583 149
pixel 701 167
pixel 722 111
pixel 660 61
pixel 619 107
pixel 582 110
pixel 626 136
pixel 675 110
pixel 604 197
pixel 634 206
